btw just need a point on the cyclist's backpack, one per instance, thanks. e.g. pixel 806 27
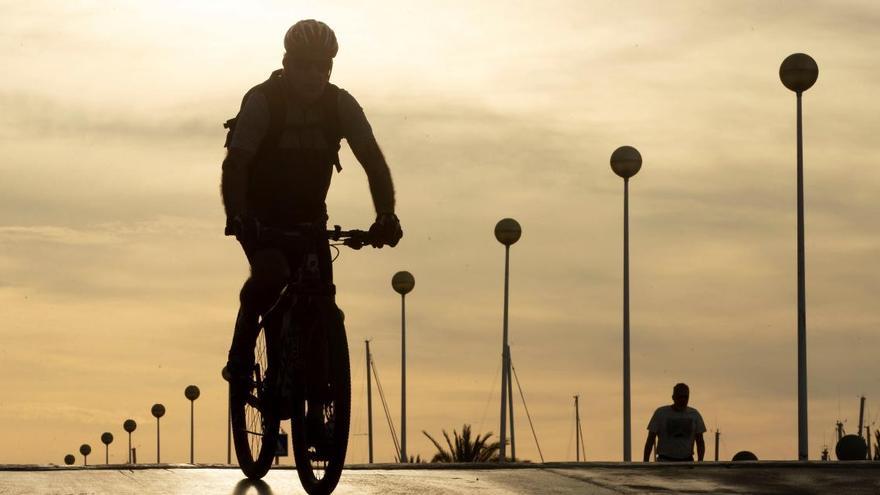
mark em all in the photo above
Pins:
pixel 273 89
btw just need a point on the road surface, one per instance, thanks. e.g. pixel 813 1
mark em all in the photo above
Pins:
pixel 556 478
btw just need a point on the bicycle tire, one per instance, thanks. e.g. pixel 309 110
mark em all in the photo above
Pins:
pixel 254 416
pixel 320 477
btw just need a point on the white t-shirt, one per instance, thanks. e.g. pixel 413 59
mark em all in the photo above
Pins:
pixel 676 431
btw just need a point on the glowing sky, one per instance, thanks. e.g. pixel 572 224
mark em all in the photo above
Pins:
pixel 118 289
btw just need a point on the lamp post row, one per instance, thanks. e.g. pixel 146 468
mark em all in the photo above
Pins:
pixel 191 392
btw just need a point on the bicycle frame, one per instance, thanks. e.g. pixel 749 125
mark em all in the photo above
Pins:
pixel 306 347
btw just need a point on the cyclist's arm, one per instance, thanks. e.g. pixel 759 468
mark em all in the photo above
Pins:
pixel 371 158
pixel 359 134
pixel 252 125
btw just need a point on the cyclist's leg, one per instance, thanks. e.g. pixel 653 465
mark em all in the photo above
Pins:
pixel 269 271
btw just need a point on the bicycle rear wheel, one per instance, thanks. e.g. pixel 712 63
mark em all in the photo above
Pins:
pixel 320 466
pixel 255 420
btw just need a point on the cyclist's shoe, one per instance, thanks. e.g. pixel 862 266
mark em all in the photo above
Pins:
pixel 240 377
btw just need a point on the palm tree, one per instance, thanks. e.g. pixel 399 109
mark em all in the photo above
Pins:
pixel 876 445
pixel 464 449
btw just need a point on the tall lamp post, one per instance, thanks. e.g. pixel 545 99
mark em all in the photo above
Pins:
pixel 507 232
pixel 107 439
pixel 192 393
pixel 798 73
pixel 158 410
pixel 129 426
pixel 626 162
pixel 403 282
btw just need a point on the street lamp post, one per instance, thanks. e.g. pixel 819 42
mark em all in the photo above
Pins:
pixel 626 162
pixel 129 426
pixel 507 232
pixel 369 403
pixel 158 410
pixel 403 282
pixel 107 439
pixel 798 73
pixel 192 393
pixel 69 459
pixel 85 449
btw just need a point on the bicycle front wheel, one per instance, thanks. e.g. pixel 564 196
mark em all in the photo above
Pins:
pixel 254 415
pixel 320 422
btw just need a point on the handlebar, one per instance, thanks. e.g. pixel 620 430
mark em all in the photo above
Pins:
pixel 354 239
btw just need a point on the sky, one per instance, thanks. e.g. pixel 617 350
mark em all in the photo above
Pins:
pixel 118 288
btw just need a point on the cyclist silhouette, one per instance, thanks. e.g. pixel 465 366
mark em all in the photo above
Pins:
pixel 282 149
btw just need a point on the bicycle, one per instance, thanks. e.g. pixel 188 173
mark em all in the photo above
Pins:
pixel 301 371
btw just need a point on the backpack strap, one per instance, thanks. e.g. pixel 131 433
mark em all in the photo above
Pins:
pixel 273 89
pixel 333 128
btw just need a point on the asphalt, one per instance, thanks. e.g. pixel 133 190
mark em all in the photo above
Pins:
pixel 552 478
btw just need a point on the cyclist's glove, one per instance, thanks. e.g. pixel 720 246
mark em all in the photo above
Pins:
pixel 245 228
pixel 385 230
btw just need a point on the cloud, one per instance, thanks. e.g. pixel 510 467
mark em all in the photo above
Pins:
pixel 57 413
pixel 110 259
pixel 33 115
pixel 55 235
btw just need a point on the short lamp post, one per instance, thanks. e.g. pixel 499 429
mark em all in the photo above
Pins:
pixel 798 73
pixel 626 161
pixel 129 426
pixel 158 410
pixel 507 232
pixel 403 283
pixel 69 459
pixel 192 393
pixel 85 449
pixel 106 439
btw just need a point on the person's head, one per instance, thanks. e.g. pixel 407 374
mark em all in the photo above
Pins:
pixel 309 48
pixel 680 395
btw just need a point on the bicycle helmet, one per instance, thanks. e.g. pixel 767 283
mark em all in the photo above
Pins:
pixel 311 38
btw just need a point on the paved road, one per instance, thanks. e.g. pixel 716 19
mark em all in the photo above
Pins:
pixel 564 478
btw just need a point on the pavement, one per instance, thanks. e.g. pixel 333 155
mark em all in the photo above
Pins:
pixel 773 478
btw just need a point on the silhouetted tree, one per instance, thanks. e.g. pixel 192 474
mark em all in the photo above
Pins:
pixel 465 448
